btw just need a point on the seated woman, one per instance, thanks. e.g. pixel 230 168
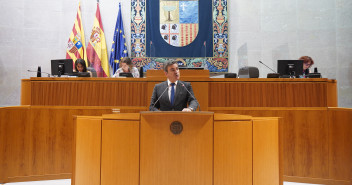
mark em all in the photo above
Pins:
pixel 80 66
pixel 126 66
pixel 307 63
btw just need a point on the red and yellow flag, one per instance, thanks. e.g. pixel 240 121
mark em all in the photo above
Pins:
pixel 96 50
pixel 76 47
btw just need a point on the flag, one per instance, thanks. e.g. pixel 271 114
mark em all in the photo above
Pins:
pixel 76 47
pixel 96 50
pixel 119 47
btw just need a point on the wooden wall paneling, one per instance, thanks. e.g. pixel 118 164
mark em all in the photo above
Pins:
pixel 266 151
pixel 233 152
pixel 59 141
pixel 221 92
pixel 39 130
pixel 305 138
pixel 332 94
pixel 120 152
pixel 340 142
pixel 88 93
pixel 160 74
pixel 201 93
pixel 306 143
pixel 161 161
pixel 26 92
pixel 150 89
pixel 88 151
pixel 36 141
pixel 2 144
pixel 272 94
pixel 281 150
pixel 14 147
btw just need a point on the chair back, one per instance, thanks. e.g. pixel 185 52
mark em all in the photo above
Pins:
pixel 93 71
pixel 248 72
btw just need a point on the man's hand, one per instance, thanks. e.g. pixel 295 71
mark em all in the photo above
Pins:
pixel 187 110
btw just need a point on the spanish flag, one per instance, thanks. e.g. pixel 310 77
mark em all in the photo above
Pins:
pixel 96 50
pixel 76 47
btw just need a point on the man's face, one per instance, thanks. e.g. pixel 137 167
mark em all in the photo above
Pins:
pixel 173 73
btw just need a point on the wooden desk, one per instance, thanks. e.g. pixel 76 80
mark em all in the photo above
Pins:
pixel 210 92
pixel 310 135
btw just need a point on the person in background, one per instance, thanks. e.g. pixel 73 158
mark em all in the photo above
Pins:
pixel 80 67
pixel 126 66
pixel 173 94
pixel 307 63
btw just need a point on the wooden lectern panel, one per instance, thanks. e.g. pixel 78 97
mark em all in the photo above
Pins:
pixel 120 152
pixel 186 158
pixel 86 169
pixel 232 152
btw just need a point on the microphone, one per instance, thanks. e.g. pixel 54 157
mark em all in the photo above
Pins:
pixel 205 49
pixel 271 75
pixel 159 97
pixel 267 66
pixel 39 72
pixel 183 85
pixel 151 48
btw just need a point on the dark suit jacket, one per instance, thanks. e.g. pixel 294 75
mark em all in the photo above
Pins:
pixel 182 97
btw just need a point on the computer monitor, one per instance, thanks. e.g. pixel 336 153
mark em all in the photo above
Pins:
pixel 61 67
pixel 290 68
pixel 125 75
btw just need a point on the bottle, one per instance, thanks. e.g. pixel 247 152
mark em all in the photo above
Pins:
pixel 39 72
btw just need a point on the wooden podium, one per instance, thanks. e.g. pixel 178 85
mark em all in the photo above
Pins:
pixel 191 148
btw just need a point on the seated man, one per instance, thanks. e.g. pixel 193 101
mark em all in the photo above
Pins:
pixel 173 94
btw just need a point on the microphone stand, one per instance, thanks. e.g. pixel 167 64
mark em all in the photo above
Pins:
pixel 159 97
pixel 183 85
pixel 151 54
pixel 271 75
pixel 205 65
pixel 267 66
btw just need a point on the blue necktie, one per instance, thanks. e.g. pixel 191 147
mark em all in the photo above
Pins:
pixel 172 93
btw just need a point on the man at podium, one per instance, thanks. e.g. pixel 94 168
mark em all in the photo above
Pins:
pixel 173 94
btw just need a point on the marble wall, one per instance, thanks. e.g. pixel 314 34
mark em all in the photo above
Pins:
pixel 34 32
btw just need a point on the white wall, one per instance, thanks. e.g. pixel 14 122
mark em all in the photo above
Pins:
pixel 34 32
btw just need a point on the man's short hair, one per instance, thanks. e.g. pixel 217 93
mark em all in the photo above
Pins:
pixel 169 63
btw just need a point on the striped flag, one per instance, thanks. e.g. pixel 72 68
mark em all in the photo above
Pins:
pixel 119 47
pixel 96 50
pixel 76 47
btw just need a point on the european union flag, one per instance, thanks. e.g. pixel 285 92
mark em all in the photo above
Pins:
pixel 119 47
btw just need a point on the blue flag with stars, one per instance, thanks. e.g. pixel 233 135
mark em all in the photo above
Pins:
pixel 119 47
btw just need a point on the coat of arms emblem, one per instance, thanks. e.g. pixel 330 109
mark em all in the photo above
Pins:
pixel 95 36
pixel 179 21
pixel 74 45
